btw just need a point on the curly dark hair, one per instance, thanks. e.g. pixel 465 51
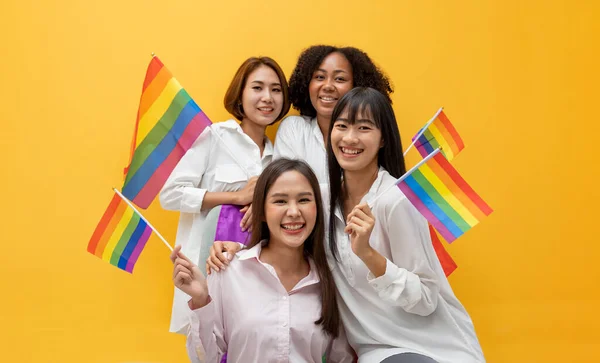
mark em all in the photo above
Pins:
pixel 365 74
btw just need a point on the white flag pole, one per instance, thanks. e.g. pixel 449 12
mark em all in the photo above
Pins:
pixel 423 130
pixel 144 219
pixel 406 175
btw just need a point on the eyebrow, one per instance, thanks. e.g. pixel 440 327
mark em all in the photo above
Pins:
pixel 261 82
pixel 286 195
pixel 363 120
pixel 335 71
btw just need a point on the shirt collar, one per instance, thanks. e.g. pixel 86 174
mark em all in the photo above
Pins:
pixel 232 124
pixel 254 253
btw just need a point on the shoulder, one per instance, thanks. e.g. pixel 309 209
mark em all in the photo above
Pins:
pixel 221 127
pixel 294 124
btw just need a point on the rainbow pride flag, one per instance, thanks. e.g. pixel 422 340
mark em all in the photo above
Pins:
pixel 444 198
pixel 439 132
pixel 120 236
pixel 168 123
pixel 448 264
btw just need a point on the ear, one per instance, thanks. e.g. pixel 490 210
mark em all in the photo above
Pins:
pixel 382 143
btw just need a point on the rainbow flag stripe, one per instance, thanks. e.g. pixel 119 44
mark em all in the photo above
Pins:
pixel 440 133
pixel 120 236
pixel 444 198
pixel 168 123
pixel 448 264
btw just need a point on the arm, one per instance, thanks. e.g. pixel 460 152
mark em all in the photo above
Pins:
pixel 181 192
pixel 206 307
pixel 413 286
pixel 408 282
pixel 286 139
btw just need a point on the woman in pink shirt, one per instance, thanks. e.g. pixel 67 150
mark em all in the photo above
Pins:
pixel 276 301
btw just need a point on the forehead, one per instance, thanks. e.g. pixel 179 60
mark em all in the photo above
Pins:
pixel 290 182
pixel 357 112
pixel 335 62
pixel 263 74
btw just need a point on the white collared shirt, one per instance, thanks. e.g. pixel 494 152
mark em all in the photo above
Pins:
pixel 411 308
pixel 300 137
pixel 222 159
pixel 253 318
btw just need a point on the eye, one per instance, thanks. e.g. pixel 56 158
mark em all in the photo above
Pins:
pixel 365 128
pixel 340 126
pixel 305 200
pixel 279 201
pixel 257 88
pixel 319 77
pixel 340 79
pixel 276 89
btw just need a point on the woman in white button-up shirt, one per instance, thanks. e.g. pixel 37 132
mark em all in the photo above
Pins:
pixel 396 303
pixel 276 301
pixel 322 76
pixel 217 168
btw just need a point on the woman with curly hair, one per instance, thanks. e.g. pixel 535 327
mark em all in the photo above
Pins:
pixel 322 76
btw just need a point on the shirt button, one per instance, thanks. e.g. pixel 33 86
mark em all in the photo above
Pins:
pixel 284 298
pixel 284 324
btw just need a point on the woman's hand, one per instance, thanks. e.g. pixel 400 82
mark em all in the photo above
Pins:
pixel 217 259
pixel 359 225
pixel 245 195
pixel 246 223
pixel 188 278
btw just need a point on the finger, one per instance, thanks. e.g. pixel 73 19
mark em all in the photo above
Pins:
pixel 211 265
pixel 179 269
pixel 243 210
pixel 175 253
pixel 366 210
pixel 359 222
pixel 217 246
pixel 182 278
pixel 218 257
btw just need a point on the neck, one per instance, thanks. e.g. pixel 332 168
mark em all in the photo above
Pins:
pixel 255 132
pixel 357 184
pixel 324 122
pixel 287 261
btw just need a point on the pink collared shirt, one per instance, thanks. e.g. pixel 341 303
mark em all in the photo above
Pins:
pixel 253 318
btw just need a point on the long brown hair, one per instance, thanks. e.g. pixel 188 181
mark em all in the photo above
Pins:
pixel 314 245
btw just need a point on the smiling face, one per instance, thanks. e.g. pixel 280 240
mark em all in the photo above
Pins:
pixel 332 79
pixel 290 210
pixel 262 98
pixel 356 142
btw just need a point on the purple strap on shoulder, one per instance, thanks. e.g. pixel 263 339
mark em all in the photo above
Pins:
pixel 228 226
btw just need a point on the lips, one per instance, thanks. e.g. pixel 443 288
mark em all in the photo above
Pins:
pixel 293 228
pixel 351 151
pixel 328 99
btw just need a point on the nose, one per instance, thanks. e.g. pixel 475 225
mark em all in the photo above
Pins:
pixel 267 96
pixel 293 210
pixel 328 84
pixel 351 135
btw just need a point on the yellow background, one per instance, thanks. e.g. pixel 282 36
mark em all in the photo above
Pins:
pixel 518 79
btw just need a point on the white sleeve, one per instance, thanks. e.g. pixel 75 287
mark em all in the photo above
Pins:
pixel 181 192
pixel 409 281
pixel 210 322
pixel 287 140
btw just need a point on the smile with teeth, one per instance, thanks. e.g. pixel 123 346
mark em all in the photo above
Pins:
pixel 292 227
pixel 351 151
pixel 327 98
pixel 265 109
